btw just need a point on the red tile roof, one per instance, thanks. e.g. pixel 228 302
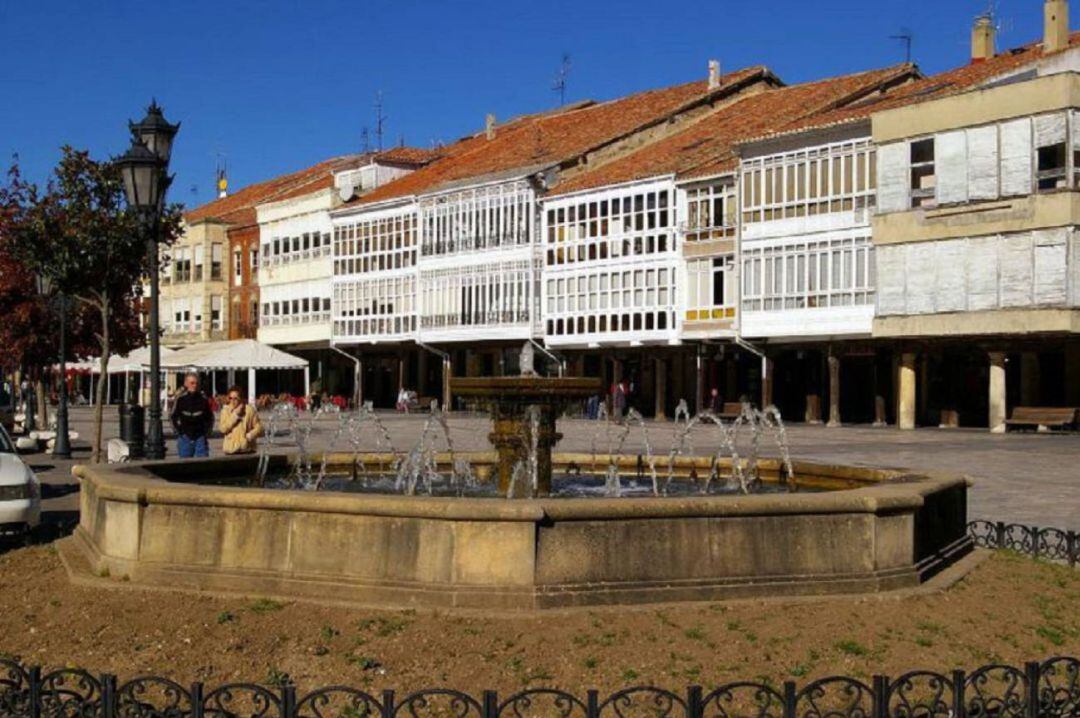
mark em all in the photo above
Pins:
pixel 562 136
pixel 413 156
pixel 706 147
pixel 950 82
pixel 238 208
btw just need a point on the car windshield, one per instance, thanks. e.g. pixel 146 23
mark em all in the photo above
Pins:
pixel 6 446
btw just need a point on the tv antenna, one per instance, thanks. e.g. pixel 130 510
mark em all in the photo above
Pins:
pixel 1000 25
pixel 559 85
pixel 365 141
pixel 907 37
pixel 380 121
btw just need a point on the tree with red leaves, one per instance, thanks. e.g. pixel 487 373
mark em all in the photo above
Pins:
pixel 79 234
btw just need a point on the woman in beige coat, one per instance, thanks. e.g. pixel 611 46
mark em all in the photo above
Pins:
pixel 239 423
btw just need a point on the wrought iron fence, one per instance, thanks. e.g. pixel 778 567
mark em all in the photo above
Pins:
pixel 1046 543
pixel 1050 689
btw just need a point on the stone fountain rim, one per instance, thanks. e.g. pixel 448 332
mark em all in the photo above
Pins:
pixel 135 483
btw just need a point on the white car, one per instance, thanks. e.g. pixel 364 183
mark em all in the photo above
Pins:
pixel 20 493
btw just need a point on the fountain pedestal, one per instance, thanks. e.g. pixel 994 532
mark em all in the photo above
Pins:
pixel 509 399
pixel 511 436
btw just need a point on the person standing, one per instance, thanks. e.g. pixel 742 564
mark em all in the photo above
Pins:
pixel 239 424
pixel 618 399
pixel 192 420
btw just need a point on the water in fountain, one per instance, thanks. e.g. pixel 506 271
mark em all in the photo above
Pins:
pixel 280 415
pixel 418 470
pixel 352 426
pixel 634 418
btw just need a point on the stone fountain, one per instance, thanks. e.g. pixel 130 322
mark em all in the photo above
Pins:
pixel 510 399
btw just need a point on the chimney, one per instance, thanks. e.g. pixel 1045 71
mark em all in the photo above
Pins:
pixel 982 39
pixel 714 74
pixel 1056 33
pixel 489 126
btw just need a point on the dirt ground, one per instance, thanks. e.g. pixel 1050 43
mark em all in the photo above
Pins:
pixel 1009 609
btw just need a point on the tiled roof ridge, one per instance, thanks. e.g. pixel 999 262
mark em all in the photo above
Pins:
pixel 533 124
pixel 275 186
pixel 707 142
pixel 953 81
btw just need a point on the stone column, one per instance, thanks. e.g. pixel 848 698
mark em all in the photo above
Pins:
pixel 880 417
pixel 997 392
pixel 1029 379
pixel 813 398
pixel 699 380
pixel 730 389
pixel 768 369
pixel 906 397
pixel 447 397
pixel 661 387
pixel 616 378
pixel 421 371
pixel 677 369
pixel 950 417
pixel 924 389
pixel 1072 374
pixel 401 369
pixel 834 389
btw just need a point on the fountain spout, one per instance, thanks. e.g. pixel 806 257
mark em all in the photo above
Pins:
pixel 517 429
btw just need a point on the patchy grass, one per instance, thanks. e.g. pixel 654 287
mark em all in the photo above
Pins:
pixel 1009 610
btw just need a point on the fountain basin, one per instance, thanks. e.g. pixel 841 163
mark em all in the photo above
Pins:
pixel 159 524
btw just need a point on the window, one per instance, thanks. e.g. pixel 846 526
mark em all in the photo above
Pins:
pixel 253 261
pixel 200 252
pixel 238 268
pixel 377 244
pixel 1051 171
pixel 631 222
pixel 840 177
pixel 710 212
pixel 923 178
pixel 182 264
pixel 196 314
pixel 477 219
pixel 305 309
pixel 215 312
pixel 806 275
pixel 710 294
pixel 216 256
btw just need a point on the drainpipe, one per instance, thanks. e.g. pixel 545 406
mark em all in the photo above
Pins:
pixel 550 355
pixel 358 375
pixel 447 368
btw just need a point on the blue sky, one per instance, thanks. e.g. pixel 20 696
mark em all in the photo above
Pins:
pixel 276 85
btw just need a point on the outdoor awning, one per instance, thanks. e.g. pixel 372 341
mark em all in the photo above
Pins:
pixel 138 360
pixel 234 354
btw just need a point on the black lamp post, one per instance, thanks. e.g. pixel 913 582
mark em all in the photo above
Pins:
pixel 62 442
pixel 146 180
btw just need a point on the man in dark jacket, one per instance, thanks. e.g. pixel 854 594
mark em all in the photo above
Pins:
pixel 192 420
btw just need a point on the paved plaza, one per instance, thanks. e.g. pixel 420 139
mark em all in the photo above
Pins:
pixel 1022 477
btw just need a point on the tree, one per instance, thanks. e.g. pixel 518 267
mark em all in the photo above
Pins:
pixel 79 234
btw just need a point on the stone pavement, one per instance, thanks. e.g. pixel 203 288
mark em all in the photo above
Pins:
pixel 1022 477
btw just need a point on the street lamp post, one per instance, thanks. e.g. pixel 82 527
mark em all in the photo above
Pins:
pixel 62 442
pixel 146 180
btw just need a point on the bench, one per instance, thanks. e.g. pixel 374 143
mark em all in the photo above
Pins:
pixel 730 411
pixel 1042 418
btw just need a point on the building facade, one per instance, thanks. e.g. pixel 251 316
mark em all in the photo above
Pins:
pixel 882 247
pixel 194 285
pixel 978 251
